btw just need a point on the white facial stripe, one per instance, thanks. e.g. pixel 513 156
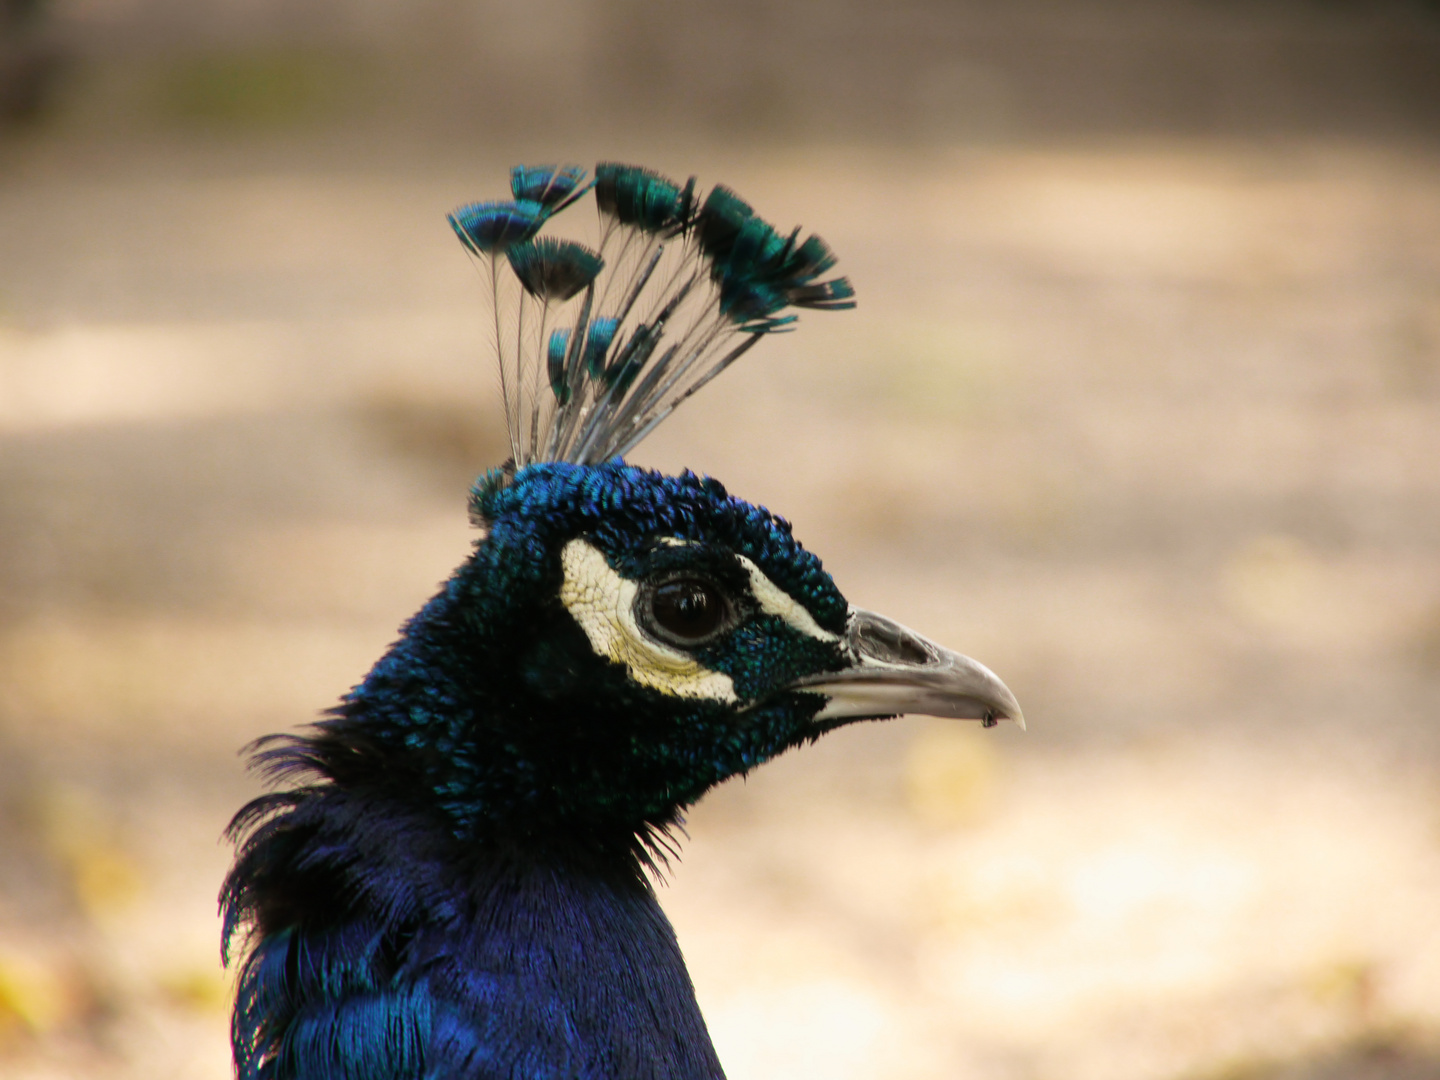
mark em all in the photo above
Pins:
pixel 603 603
pixel 774 600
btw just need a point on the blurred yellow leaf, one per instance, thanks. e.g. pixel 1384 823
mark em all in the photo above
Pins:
pixel 79 834
pixel 950 774
pixel 105 879
pixel 202 988
pixel 32 995
pixel 1349 984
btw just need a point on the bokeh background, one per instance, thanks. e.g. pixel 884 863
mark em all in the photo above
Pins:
pixel 1140 406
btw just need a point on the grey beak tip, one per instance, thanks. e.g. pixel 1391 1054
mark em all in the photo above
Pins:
pixel 1010 710
pixel 894 670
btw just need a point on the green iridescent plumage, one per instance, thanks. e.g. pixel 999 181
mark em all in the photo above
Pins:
pixel 678 290
pixel 597 344
pixel 642 198
pixel 758 272
pixel 555 363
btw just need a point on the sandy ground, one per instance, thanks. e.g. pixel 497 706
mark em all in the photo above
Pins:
pixel 1150 428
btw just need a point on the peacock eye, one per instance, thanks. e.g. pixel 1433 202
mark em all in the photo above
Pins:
pixel 687 610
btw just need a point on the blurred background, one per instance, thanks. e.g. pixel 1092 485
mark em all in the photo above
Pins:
pixel 1140 406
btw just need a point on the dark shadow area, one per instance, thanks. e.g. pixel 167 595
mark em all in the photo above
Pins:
pixel 909 71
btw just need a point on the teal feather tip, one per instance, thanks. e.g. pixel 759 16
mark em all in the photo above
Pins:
pixel 554 269
pixel 555 364
pixel 487 227
pixel 720 220
pixel 552 186
pixel 759 272
pixel 643 198
pixel 597 343
pixel 680 285
pixel 562 357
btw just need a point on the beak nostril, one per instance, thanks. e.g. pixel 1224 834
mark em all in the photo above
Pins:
pixel 888 642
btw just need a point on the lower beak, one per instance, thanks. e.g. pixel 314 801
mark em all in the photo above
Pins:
pixel 894 670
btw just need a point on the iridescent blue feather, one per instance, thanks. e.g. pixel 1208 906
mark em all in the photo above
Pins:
pixel 553 186
pixel 493 226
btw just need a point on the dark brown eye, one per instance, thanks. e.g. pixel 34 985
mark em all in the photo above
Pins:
pixel 687 609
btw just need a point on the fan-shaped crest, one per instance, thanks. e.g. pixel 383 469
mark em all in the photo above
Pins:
pixel 597 347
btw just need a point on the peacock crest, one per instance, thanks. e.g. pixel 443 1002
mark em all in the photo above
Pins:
pixel 597 346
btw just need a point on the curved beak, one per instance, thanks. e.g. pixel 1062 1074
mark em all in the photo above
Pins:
pixel 894 670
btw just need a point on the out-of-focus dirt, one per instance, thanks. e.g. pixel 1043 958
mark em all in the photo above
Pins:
pixel 1152 429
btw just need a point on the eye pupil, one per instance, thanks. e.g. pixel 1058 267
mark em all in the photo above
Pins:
pixel 688 608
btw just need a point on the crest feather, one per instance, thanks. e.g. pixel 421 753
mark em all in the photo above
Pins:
pixel 597 347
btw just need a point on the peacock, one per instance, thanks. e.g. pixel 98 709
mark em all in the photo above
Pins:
pixel 452 874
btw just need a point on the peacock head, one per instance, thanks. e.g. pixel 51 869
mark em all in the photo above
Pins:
pixel 631 639
pixel 621 640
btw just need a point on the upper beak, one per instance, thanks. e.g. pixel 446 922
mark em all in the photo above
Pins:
pixel 894 670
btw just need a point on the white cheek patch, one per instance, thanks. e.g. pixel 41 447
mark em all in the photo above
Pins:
pixel 774 600
pixel 603 603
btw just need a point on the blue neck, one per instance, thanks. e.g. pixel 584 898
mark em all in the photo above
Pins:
pixel 445 962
